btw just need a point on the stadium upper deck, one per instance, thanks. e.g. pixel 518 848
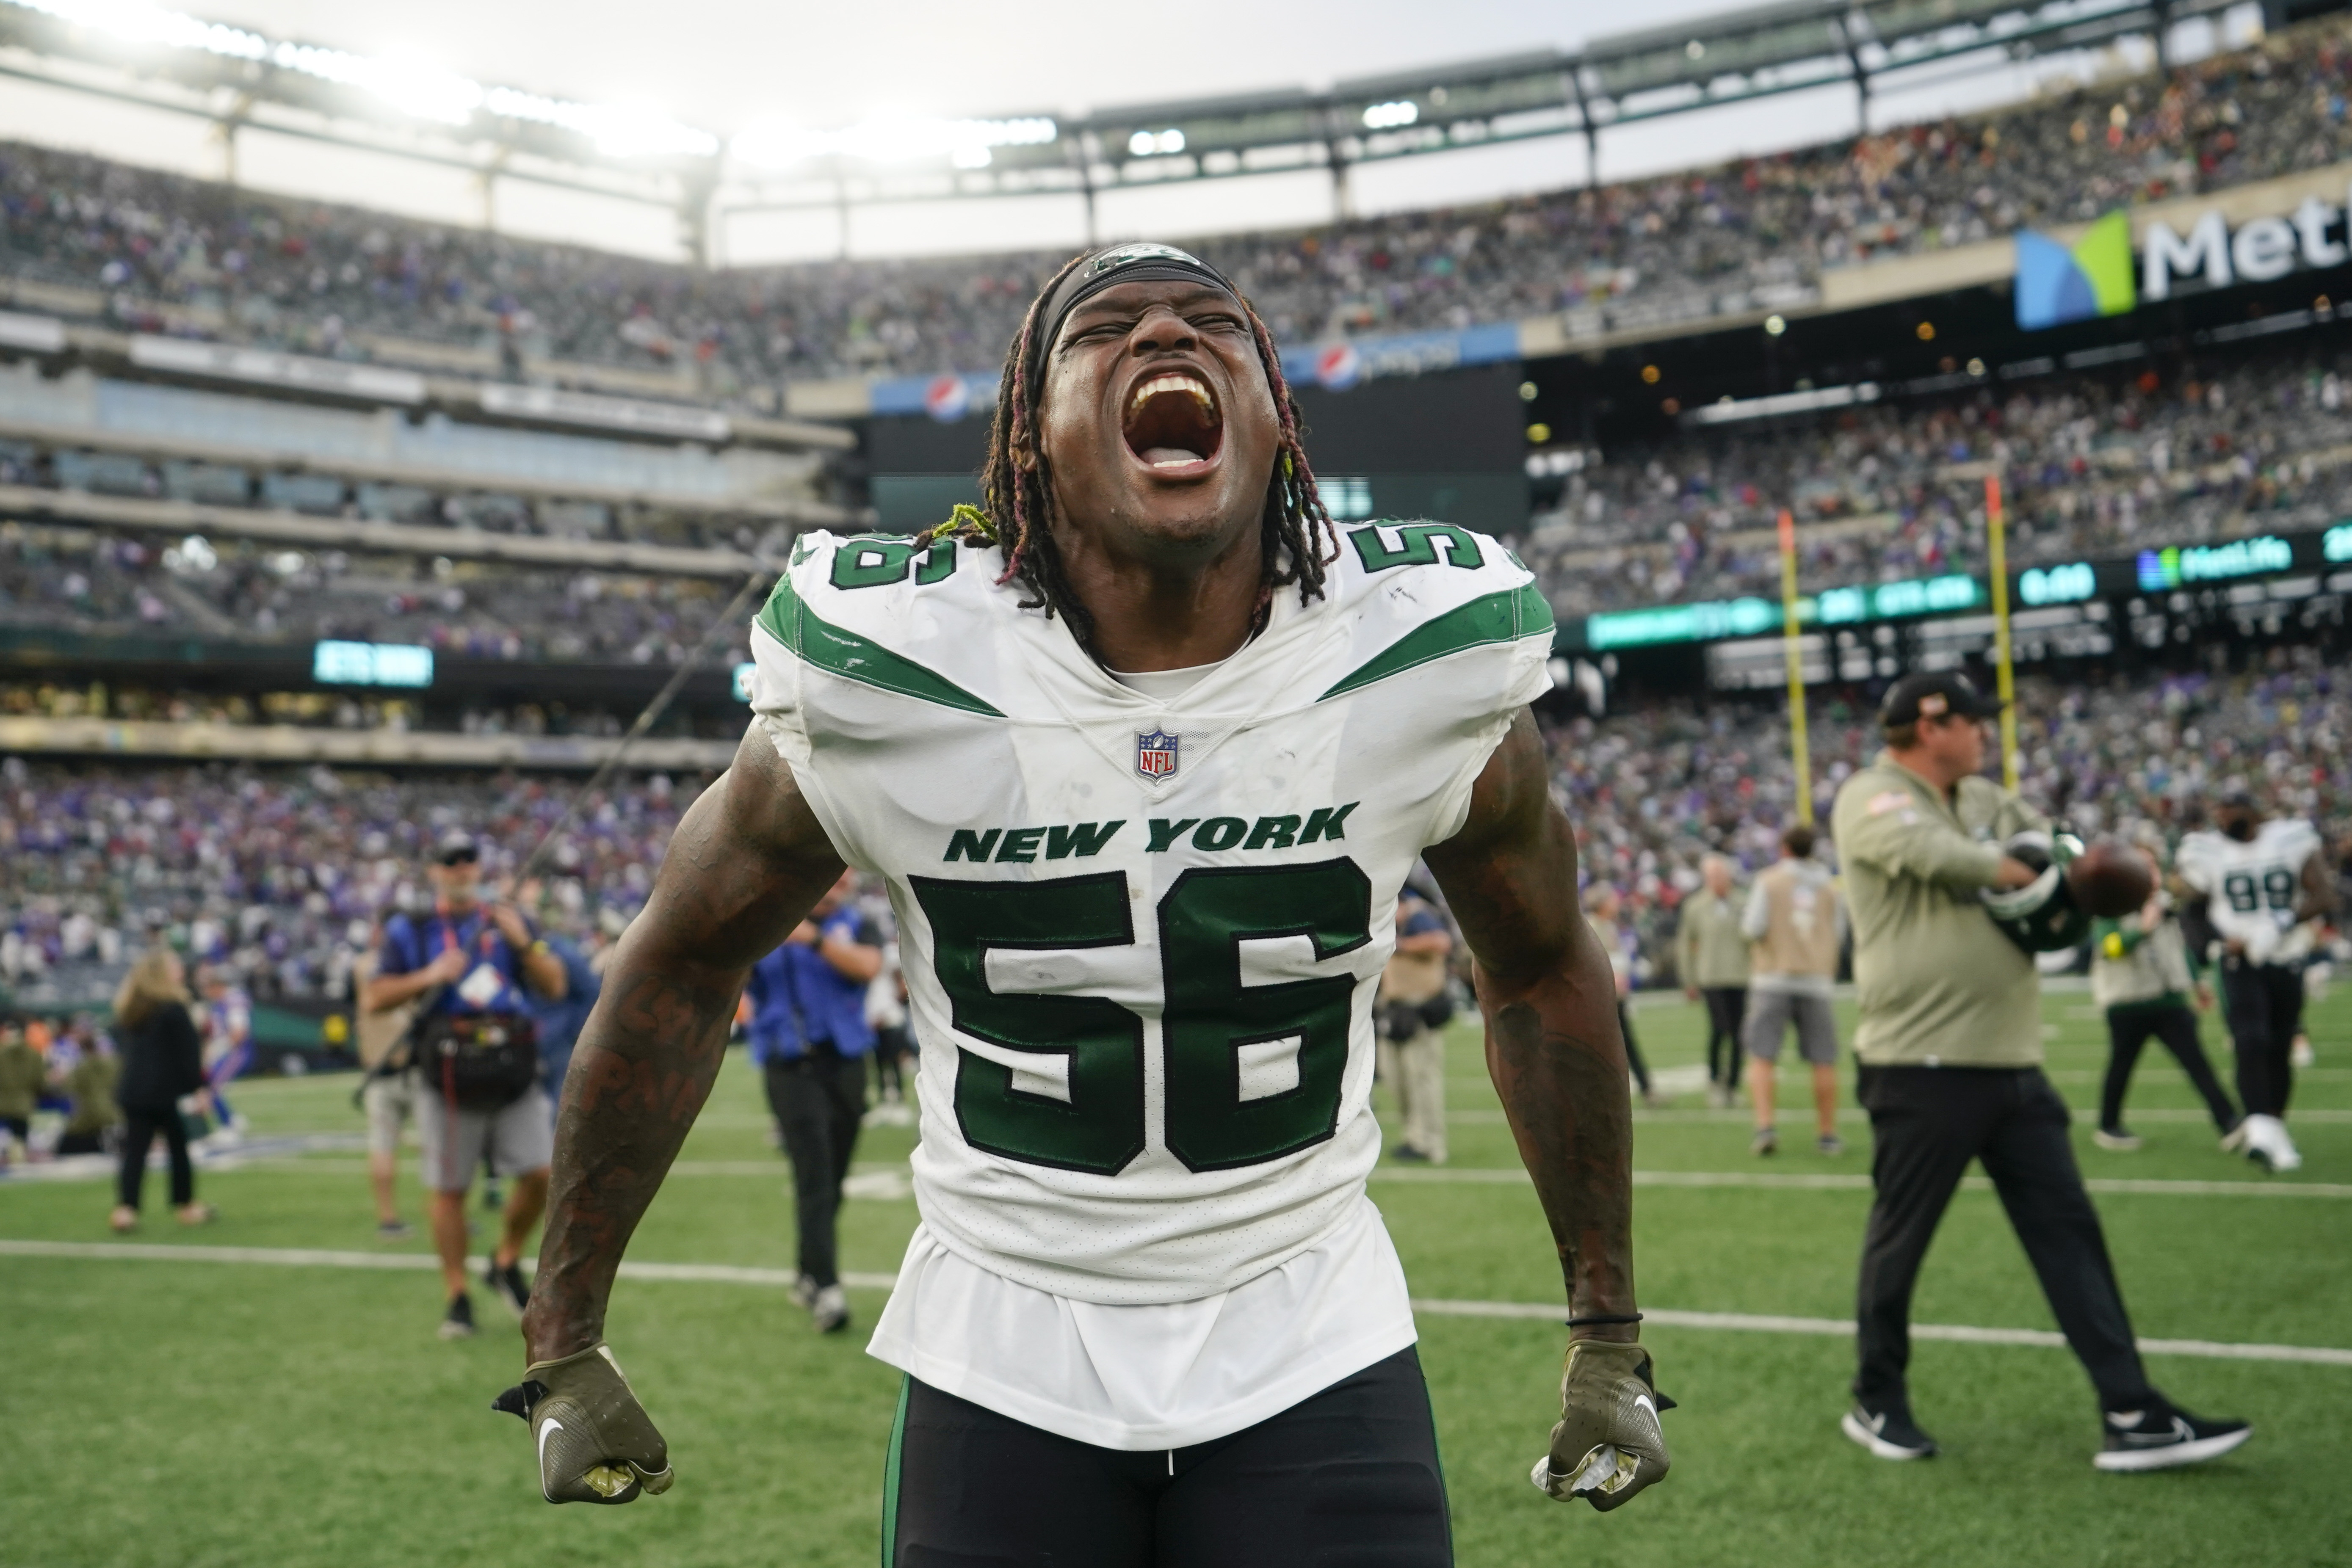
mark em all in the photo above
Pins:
pixel 150 251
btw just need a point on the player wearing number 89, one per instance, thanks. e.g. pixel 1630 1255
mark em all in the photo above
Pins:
pixel 1144 753
pixel 2261 887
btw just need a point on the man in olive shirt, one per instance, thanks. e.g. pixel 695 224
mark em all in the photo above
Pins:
pixel 1950 1043
pixel 1711 957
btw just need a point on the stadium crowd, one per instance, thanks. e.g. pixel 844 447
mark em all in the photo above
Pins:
pixel 279 873
pixel 1654 789
pixel 170 253
pixel 98 583
pixel 2091 465
pixel 279 876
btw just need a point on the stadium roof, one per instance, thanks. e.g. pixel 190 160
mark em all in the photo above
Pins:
pixel 138 52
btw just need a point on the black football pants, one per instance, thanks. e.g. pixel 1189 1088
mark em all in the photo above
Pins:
pixel 2264 1005
pixel 819 1101
pixel 1344 1478
pixel 2128 1028
pixel 1928 1123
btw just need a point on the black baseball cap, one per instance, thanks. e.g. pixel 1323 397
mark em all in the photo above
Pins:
pixel 1934 694
pixel 455 847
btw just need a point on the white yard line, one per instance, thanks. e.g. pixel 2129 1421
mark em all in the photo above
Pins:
pixel 781 1278
pixel 1857 1181
pixel 1794 1114
pixel 1843 1328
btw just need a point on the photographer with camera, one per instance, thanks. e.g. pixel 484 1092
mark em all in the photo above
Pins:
pixel 1414 1007
pixel 473 1054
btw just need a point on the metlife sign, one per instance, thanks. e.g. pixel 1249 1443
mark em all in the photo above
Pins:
pixel 2056 284
pixel 2212 256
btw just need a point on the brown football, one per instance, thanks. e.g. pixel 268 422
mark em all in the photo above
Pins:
pixel 2110 878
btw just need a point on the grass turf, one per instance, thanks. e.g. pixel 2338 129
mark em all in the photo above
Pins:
pixel 164 1414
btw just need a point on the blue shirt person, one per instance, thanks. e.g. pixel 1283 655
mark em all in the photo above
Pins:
pixel 561 1019
pixel 810 1039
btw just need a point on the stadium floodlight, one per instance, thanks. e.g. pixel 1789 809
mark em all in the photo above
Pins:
pixel 1389 116
pixel 137 22
pixel 1148 144
pixel 891 138
pixel 406 84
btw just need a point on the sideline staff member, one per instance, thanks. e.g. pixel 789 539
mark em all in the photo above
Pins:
pixel 810 1039
pixel 469 962
pixel 1950 1047
pixel 1711 957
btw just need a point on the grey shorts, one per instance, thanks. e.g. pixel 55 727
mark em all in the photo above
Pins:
pixel 1769 1014
pixel 389 1102
pixel 517 1138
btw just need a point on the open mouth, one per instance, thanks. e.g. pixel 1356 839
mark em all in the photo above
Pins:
pixel 1171 421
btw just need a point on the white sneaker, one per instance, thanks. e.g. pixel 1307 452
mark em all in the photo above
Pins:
pixel 2300 1053
pixel 830 1310
pixel 2268 1145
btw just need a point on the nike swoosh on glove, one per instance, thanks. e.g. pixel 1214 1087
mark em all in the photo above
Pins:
pixel 595 1442
pixel 1607 1445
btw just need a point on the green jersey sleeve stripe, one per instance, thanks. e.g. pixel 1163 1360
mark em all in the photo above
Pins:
pixel 1503 617
pixel 829 647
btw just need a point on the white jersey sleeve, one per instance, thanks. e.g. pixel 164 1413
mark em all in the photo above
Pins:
pixel 1141 937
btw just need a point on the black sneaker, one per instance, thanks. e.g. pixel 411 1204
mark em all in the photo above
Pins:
pixel 458 1322
pixel 507 1285
pixel 1406 1154
pixel 2159 1437
pixel 393 1231
pixel 1889 1434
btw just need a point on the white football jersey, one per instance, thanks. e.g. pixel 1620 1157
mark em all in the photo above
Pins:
pixel 1141 937
pixel 2252 888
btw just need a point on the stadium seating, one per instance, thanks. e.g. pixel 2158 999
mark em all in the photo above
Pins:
pixel 159 252
pixel 279 871
pixel 2092 464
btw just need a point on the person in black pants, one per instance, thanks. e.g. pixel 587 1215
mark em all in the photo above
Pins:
pixel 810 1037
pixel 1600 910
pixel 1949 1042
pixel 2144 973
pixel 163 1060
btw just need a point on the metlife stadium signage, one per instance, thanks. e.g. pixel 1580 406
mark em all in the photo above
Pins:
pixel 2319 555
pixel 2098 275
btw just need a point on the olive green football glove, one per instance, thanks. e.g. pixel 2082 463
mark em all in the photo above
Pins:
pixel 596 1444
pixel 1607 1445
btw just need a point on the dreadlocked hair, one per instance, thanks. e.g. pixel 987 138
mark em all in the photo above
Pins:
pixel 1298 537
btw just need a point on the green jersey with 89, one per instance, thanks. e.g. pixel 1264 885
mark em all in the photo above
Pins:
pixel 1141 938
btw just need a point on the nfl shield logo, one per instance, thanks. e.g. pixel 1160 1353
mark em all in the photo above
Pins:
pixel 1155 755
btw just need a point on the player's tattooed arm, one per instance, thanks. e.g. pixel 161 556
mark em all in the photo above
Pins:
pixel 1553 1045
pixel 747 862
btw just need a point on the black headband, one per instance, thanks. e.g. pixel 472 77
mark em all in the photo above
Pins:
pixel 1137 262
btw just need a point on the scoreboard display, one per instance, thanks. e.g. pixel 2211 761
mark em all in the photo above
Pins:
pixel 1448 446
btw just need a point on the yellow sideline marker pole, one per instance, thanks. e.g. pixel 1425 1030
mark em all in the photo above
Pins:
pixel 2004 675
pixel 1800 753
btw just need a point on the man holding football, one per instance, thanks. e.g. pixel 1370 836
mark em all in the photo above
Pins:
pixel 1950 1043
pixel 1143 749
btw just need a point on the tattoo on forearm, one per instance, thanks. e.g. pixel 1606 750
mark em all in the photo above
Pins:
pixel 642 1070
pixel 1566 1097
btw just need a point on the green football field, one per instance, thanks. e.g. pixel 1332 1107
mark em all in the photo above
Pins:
pixel 286 1403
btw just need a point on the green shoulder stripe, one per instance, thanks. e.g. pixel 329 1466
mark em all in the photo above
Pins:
pixel 1503 617
pixel 852 657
